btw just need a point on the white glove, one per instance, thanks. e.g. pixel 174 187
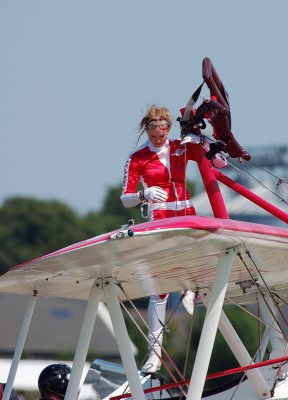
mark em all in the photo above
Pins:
pixel 155 193
pixel 191 138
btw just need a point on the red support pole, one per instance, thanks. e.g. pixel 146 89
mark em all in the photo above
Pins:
pixel 251 196
pixel 209 376
pixel 211 186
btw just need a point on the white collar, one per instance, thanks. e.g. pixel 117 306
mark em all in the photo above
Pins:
pixel 158 149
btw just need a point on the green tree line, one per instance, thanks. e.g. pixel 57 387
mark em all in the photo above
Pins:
pixel 31 227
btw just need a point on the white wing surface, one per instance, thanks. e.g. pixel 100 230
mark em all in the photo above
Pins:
pixel 162 256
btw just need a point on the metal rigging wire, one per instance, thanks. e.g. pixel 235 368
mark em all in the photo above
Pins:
pixel 280 180
pixel 143 334
pixel 260 292
pixel 258 181
pixel 243 171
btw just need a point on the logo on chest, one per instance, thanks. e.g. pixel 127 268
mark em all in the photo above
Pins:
pixel 178 152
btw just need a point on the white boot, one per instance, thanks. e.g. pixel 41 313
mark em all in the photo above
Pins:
pixel 188 301
pixel 156 320
pixel 153 364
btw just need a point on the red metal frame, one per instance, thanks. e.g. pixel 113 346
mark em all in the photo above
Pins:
pixel 221 130
pixel 222 124
pixel 208 377
pixel 251 196
pixel 211 186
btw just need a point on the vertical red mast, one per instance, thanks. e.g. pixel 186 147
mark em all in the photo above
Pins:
pixel 217 93
pixel 212 187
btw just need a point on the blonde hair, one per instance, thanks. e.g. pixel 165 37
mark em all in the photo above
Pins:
pixel 154 112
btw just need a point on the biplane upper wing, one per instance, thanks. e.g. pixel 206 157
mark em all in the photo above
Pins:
pixel 162 256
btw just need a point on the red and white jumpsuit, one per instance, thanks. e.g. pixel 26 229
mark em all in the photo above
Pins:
pixel 164 167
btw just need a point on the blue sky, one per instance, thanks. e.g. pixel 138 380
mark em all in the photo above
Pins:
pixel 76 77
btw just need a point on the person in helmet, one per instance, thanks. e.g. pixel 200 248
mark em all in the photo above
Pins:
pixel 53 381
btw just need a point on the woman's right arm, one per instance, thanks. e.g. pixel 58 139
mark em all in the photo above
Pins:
pixel 130 197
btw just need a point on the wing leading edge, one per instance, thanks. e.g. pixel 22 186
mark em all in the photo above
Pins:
pixel 162 256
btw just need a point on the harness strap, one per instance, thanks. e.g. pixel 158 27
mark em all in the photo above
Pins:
pixel 193 99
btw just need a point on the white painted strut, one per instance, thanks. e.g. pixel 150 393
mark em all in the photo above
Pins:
pixel 123 340
pixel 84 340
pixel 239 350
pixel 19 347
pixel 210 325
pixel 278 342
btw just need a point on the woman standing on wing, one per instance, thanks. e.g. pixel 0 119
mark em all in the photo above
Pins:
pixel 160 165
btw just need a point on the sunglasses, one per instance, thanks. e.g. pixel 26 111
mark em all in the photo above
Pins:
pixel 163 124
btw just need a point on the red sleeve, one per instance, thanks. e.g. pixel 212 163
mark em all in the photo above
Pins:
pixel 131 175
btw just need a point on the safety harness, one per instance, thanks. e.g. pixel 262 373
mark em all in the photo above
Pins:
pixel 216 111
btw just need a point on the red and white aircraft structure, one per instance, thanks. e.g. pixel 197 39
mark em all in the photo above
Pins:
pixel 218 257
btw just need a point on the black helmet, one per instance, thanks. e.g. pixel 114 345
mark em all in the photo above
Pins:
pixel 54 379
